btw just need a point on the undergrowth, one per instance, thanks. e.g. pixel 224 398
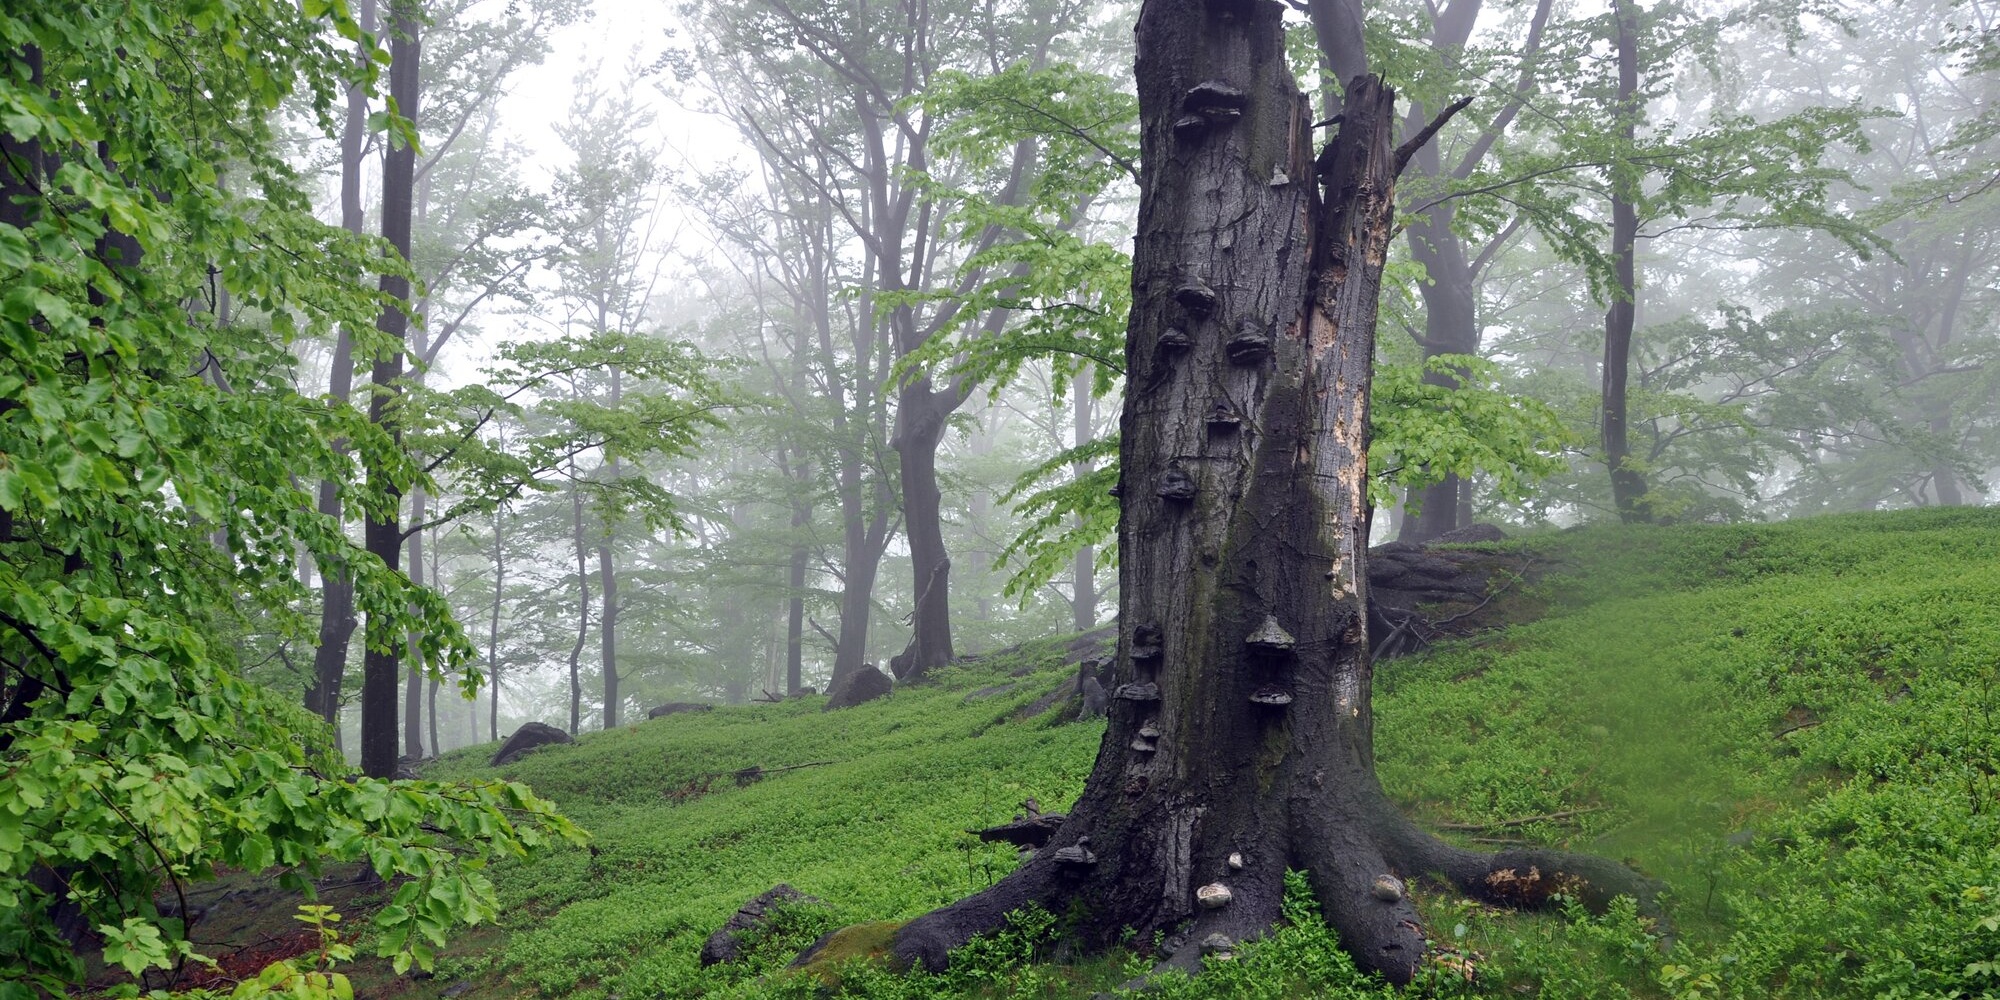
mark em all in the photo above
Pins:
pixel 1793 726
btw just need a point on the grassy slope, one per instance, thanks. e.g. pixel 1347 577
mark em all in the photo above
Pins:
pixel 1793 725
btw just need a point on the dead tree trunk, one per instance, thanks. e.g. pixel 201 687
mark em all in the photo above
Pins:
pixel 1240 741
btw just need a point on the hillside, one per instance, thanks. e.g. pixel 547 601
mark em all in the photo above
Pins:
pixel 1792 725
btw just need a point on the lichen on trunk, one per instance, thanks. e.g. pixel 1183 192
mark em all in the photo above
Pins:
pixel 1240 740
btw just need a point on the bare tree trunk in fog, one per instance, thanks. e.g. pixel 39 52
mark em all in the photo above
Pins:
pixel 1083 569
pixel 1628 484
pixel 582 600
pixel 493 625
pixel 336 618
pixel 607 570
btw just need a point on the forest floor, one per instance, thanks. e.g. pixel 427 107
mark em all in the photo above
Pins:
pixel 1792 725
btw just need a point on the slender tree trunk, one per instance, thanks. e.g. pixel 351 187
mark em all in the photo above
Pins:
pixel 1628 484
pixel 413 681
pixel 1240 741
pixel 1083 568
pixel 582 604
pixel 607 585
pixel 336 619
pixel 795 602
pixel 432 683
pixel 381 664
pixel 493 628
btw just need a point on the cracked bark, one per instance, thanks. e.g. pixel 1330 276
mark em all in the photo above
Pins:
pixel 1264 753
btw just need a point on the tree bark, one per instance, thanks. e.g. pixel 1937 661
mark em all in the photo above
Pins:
pixel 382 662
pixel 1240 740
pixel 1628 484
pixel 336 619
pixel 920 420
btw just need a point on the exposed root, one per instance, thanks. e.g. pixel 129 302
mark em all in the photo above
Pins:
pixel 927 941
pixel 1525 877
pixel 1368 906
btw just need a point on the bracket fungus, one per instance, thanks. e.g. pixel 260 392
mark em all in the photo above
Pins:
pixel 1216 99
pixel 1144 691
pixel 1270 637
pixel 1272 695
pixel 1222 417
pixel 1213 896
pixel 1196 297
pixel 1177 485
pixel 1175 339
pixel 1078 853
pixel 1387 888
pixel 1250 345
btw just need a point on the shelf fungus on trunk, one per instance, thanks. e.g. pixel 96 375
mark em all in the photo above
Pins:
pixel 1250 345
pixel 1196 297
pixel 1387 888
pixel 1270 639
pixel 1177 485
pixel 1077 855
pixel 1213 896
pixel 1175 339
pixel 1218 100
pixel 1138 691
pixel 1223 418
pixel 1271 695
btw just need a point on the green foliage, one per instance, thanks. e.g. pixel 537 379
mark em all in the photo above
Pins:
pixel 1423 431
pixel 155 462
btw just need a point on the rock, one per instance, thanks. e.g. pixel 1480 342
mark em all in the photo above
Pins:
pixel 724 946
pixel 986 692
pixel 1099 643
pixel 1095 699
pixel 677 707
pixel 1471 534
pixel 863 685
pixel 530 736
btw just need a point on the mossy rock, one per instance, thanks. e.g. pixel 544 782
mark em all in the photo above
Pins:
pixel 865 942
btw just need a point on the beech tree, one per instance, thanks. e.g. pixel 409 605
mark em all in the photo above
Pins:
pixel 1240 737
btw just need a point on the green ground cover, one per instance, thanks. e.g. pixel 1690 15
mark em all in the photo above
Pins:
pixel 1792 725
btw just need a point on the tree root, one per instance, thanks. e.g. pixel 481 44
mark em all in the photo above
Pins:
pixel 1357 870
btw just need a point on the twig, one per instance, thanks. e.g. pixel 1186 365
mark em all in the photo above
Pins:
pixel 1521 820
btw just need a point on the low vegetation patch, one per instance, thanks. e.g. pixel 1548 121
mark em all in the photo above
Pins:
pixel 1793 726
